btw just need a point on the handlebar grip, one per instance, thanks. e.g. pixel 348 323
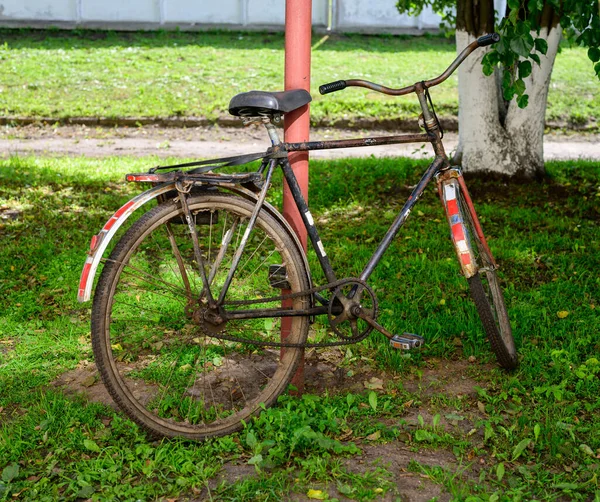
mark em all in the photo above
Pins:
pixel 338 85
pixel 490 39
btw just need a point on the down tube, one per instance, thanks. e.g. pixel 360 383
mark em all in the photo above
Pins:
pixel 402 216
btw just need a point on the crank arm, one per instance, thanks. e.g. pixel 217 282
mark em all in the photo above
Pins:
pixel 405 341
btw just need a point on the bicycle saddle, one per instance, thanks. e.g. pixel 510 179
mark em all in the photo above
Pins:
pixel 255 103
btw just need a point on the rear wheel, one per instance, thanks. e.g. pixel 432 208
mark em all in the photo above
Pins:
pixel 154 336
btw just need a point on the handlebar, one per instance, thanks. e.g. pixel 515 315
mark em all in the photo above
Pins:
pixel 338 85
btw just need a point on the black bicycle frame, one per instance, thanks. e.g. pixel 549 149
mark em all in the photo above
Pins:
pixel 440 162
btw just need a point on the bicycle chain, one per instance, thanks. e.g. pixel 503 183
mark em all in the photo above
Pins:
pixel 290 296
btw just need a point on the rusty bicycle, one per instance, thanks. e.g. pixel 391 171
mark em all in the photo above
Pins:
pixel 204 306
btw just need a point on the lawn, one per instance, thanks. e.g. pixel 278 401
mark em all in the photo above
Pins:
pixel 173 74
pixel 445 419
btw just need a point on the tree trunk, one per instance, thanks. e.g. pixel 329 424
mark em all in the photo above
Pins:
pixel 495 135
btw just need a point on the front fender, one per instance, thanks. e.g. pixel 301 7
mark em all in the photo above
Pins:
pixel 101 241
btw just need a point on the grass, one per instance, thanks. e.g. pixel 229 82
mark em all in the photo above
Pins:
pixel 168 74
pixel 532 434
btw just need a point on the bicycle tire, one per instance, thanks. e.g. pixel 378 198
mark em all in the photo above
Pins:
pixel 150 341
pixel 488 297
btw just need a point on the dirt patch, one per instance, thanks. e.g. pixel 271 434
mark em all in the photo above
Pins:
pixel 85 380
pixel 452 378
pixel 396 458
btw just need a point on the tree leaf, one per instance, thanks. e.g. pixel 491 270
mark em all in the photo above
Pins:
pixel 500 471
pixel 522 44
pixel 91 445
pixel 525 69
pixel 541 45
pixel 535 5
pixel 509 92
pixel 594 54
pixel 562 314
pixel 523 101
pixel 519 87
pixel 520 448
pixel 536 58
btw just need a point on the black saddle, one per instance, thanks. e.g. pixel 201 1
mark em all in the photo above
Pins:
pixel 256 103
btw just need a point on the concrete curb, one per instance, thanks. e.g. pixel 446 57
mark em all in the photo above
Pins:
pixel 448 123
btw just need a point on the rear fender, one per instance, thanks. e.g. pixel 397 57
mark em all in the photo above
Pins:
pixel 100 242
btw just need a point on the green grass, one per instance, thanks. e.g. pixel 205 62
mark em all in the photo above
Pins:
pixel 166 74
pixel 534 432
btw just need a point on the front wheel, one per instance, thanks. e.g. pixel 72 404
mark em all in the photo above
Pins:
pixel 480 269
pixel 489 301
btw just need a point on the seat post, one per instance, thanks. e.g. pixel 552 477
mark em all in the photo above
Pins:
pixel 272 130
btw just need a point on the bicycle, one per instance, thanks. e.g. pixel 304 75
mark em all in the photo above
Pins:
pixel 202 310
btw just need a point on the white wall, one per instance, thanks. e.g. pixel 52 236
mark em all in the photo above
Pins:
pixel 379 15
pixel 348 15
pixel 185 12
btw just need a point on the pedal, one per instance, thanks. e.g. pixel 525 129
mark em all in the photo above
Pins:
pixel 278 277
pixel 407 341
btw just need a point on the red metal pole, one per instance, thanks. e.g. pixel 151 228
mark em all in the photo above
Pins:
pixel 298 24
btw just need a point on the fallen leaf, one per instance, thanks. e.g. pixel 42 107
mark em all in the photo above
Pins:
pixel 317 494
pixel 562 314
pixel 88 381
pixel 481 406
pixel 374 437
pixel 374 384
pixel 345 435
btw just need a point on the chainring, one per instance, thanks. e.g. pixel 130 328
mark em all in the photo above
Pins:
pixel 349 302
